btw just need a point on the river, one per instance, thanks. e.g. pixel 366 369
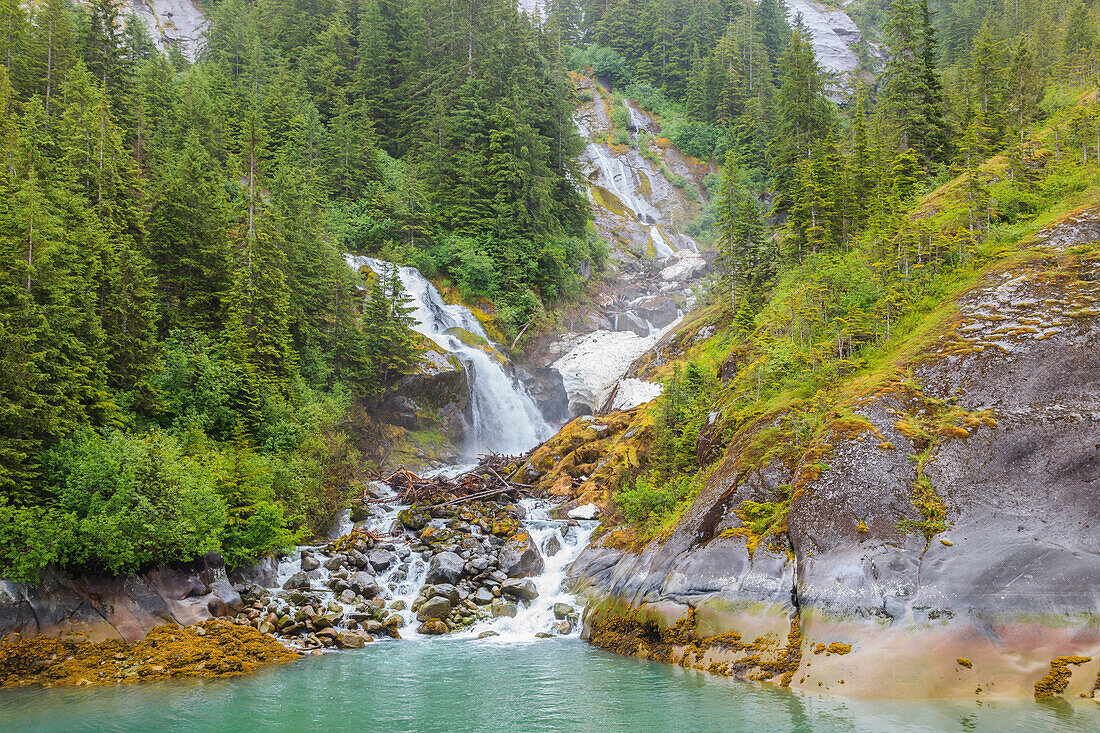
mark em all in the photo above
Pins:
pixel 425 686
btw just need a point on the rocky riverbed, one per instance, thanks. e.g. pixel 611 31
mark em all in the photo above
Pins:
pixel 422 570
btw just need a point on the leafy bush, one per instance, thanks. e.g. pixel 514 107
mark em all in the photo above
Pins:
pixel 133 502
pixel 696 139
pixel 644 500
pixel 651 98
pixel 605 62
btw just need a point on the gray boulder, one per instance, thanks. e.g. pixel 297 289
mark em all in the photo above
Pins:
pixel 446 567
pixel 364 585
pixel 298 581
pixel 437 607
pixel 519 588
pixel 519 558
pixel 380 559
pixel 444 590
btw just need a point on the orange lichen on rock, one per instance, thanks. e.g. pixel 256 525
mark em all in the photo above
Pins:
pixel 1056 681
pixel 964 662
pixel 211 649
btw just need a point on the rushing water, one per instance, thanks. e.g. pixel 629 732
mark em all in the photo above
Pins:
pixel 504 417
pixel 489 686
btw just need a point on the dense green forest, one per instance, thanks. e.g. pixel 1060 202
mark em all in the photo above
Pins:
pixel 188 364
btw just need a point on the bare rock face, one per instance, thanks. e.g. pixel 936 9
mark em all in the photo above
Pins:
pixel 176 24
pixel 998 425
pixel 96 607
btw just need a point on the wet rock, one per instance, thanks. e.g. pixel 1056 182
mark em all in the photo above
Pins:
pixel 519 588
pixel 519 558
pixel 334 563
pixel 543 635
pixel 364 585
pixel 563 627
pixel 563 610
pixel 347 596
pixel 483 597
pixel 351 639
pixel 437 607
pixel 309 562
pixel 552 546
pixel 487 634
pixel 659 310
pixel 298 581
pixel 446 567
pixel 503 608
pixel 413 518
pixel 433 627
pixel 380 559
pixel 444 590
pixel 630 322
pixel 360 511
pixel 358 559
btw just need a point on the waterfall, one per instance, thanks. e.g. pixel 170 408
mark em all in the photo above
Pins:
pixel 620 180
pixel 504 417
pixel 639 123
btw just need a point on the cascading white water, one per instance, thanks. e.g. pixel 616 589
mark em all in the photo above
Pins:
pixel 620 180
pixel 538 617
pixel 664 251
pixel 504 417
pixel 638 122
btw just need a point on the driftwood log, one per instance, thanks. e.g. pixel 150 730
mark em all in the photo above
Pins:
pixel 485 481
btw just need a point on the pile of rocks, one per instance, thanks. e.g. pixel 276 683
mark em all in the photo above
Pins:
pixel 480 560
pixel 345 569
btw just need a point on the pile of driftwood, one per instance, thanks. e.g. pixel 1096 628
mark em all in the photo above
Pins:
pixel 486 481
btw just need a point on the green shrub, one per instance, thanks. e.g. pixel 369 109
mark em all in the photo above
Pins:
pixel 133 501
pixel 645 500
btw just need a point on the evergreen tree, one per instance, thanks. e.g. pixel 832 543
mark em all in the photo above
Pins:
pixel 912 97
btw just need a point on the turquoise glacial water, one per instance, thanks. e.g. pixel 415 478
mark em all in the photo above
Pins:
pixel 447 685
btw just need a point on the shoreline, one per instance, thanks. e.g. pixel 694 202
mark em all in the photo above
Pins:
pixel 811 653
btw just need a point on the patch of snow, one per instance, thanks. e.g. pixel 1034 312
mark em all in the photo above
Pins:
pixel 586 511
pixel 634 392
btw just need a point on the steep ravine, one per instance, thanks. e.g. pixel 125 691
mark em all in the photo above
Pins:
pixel 640 204
pixel 999 418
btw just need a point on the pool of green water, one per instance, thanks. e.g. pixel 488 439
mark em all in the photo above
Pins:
pixel 484 687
